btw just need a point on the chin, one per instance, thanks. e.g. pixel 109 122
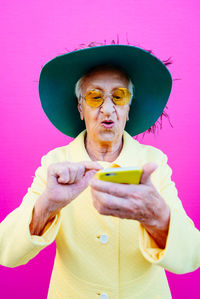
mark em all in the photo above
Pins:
pixel 107 135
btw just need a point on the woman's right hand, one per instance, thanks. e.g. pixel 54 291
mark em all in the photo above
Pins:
pixel 65 181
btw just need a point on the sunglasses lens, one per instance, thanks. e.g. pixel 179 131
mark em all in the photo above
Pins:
pixel 121 96
pixel 94 98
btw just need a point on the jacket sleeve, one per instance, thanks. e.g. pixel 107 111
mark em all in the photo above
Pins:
pixel 182 251
pixel 17 245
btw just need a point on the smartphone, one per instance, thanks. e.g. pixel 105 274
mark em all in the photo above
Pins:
pixel 123 175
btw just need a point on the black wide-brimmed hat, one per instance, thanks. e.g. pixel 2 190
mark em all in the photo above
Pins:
pixel 151 78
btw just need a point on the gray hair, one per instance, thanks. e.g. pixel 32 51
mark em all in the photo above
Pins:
pixel 79 83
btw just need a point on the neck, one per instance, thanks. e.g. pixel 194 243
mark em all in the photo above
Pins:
pixel 104 151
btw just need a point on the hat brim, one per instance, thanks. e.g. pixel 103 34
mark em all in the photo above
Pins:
pixel 150 76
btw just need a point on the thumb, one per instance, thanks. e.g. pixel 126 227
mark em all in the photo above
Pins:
pixel 87 177
pixel 147 170
pixel 81 185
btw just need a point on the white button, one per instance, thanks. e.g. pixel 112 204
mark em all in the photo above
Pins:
pixel 104 296
pixel 104 240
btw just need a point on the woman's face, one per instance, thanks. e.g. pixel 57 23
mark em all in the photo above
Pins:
pixel 106 123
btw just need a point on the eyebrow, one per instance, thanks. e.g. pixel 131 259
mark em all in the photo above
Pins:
pixel 100 88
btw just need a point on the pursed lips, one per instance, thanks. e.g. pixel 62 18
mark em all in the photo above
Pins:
pixel 108 123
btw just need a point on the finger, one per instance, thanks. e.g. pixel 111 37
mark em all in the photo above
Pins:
pixel 116 213
pixel 72 173
pixel 148 169
pixel 80 173
pixel 98 205
pixel 56 175
pixel 63 177
pixel 84 182
pixel 109 201
pixel 120 213
pixel 119 190
pixel 91 165
pixel 89 175
pixel 118 207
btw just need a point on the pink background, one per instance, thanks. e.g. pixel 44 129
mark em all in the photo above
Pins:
pixel 32 32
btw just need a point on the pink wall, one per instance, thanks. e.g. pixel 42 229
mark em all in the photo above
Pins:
pixel 32 32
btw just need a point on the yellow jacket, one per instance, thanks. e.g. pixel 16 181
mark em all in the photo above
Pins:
pixel 102 256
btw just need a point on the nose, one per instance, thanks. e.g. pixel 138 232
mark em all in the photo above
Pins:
pixel 108 107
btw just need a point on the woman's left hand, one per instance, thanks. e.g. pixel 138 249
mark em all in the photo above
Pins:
pixel 138 202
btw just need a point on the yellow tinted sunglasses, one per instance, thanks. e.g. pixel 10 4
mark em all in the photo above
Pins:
pixel 120 96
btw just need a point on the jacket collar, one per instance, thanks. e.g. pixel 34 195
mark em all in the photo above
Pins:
pixel 129 152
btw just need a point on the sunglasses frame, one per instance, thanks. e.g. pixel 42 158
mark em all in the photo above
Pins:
pixel 110 94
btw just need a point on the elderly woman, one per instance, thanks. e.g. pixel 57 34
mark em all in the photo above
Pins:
pixel 113 240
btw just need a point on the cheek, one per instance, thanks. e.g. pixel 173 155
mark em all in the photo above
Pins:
pixel 122 115
pixel 90 118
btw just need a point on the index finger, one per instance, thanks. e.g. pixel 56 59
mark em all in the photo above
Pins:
pixel 91 165
pixel 119 190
